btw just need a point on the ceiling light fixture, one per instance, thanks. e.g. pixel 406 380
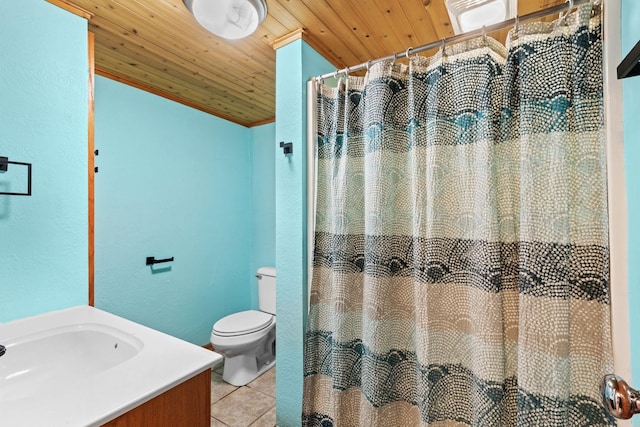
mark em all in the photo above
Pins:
pixel 230 19
pixel 469 15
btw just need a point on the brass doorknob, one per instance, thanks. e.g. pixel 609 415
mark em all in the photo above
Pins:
pixel 618 398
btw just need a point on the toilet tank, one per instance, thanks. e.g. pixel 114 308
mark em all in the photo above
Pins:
pixel 267 289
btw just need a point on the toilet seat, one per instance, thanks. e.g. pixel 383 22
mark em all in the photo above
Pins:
pixel 242 323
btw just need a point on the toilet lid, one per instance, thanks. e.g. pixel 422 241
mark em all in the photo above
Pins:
pixel 243 322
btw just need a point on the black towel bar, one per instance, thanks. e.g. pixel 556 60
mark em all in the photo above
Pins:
pixel 152 260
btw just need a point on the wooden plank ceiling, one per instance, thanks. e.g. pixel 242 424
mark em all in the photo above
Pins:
pixel 158 46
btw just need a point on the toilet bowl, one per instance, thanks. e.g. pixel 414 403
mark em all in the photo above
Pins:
pixel 247 339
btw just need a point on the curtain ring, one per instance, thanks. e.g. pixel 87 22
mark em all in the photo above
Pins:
pixel 443 47
pixel 345 72
pixel 516 27
pixel 484 34
pixel 368 64
pixel 395 57
pixel 563 17
pixel 408 52
pixel 596 7
pixel 346 80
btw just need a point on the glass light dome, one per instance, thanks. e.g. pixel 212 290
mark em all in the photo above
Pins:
pixel 229 19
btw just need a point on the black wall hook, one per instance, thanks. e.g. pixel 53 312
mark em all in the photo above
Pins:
pixel 630 65
pixel 287 147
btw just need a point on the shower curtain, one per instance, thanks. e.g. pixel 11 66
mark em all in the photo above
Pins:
pixel 461 270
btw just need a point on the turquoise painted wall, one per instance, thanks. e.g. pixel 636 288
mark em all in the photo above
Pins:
pixel 43 121
pixel 263 200
pixel 631 105
pixel 295 64
pixel 172 181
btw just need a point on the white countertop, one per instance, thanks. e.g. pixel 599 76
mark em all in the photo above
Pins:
pixel 162 363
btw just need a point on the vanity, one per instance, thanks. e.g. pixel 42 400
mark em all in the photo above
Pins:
pixel 85 367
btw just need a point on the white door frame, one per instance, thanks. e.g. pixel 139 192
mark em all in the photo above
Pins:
pixel 616 193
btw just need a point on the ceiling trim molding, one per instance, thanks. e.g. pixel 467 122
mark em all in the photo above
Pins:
pixel 69 7
pixel 262 122
pixel 288 38
pixel 312 41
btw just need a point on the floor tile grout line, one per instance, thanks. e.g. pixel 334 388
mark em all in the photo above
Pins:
pixel 261 391
pixel 223 396
pixel 256 420
pixel 250 388
pixel 225 425
pixel 259 415
pixel 262 385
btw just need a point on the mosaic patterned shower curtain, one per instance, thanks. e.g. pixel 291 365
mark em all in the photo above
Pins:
pixel 461 270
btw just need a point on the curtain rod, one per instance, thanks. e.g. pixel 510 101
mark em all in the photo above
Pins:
pixel 567 6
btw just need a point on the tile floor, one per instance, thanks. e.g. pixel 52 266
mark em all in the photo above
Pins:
pixel 251 405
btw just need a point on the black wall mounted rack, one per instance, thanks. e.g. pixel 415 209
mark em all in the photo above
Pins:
pixel 4 166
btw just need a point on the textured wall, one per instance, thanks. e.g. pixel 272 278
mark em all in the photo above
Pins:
pixel 631 105
pixel 173 181
pixel 263 201
pixel 43 120
pixel 295 64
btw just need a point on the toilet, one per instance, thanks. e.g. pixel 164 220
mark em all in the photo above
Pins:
pixel 247 339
